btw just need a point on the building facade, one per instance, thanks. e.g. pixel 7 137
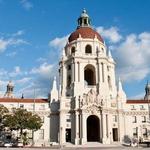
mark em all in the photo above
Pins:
pixel 89 106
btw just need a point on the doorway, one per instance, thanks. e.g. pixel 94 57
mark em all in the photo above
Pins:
pixel 68 135
pixel 93 129
pixel 115 134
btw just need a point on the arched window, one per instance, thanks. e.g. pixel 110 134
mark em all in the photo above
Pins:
pixel 73 50
pixel 88 49
pixel 89 75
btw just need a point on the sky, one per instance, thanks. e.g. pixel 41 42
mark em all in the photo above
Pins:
pixel 33 33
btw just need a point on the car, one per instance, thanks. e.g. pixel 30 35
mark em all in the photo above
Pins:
pixel 8 144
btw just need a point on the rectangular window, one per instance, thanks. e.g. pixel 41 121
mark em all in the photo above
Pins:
pixel 141 107
pixel 132 107
pixel 134 119
pixel 135 132
pixel 143 119
pixel 114 118
pixel 41 134
pixel 21 106
pixel 68 118
pixel 145 132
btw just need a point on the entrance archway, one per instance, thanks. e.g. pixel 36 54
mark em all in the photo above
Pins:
pixel 93 129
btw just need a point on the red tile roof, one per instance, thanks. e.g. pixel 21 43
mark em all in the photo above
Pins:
pixel 85 32
pixel 24 100
pixel 139 101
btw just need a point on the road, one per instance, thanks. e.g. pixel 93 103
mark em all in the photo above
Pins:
pixel 79 148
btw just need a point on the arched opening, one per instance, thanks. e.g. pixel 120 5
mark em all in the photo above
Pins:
pixel 73 50
pixel 89 75
pixel 88 49
pixel 93 129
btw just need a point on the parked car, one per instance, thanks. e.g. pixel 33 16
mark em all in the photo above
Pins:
pixel 8 144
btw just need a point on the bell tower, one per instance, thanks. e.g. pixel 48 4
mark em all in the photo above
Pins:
pixel 87 85
pixel 9 91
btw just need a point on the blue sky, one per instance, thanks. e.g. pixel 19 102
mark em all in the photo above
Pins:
pixel 33 32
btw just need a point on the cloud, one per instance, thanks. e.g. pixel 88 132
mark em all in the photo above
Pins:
pixel 15 72
pixel 132 56
pixel 26 4
pixel 5 43
pixel 112 33
pixel 19 33
pixel 59 43
pixel 43 70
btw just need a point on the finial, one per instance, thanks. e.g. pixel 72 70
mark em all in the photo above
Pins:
pixel 84 10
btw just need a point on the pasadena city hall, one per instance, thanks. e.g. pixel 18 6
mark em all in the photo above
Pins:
pixel 90 106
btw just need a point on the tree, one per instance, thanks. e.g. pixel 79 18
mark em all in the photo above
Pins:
pixel 21 119
pixel 3 113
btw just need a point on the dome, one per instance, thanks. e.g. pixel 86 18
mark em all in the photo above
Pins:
pixel 85 32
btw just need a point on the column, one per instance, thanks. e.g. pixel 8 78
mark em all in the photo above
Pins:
pixel 84 134
pixel 62 128
pixel 76 128
pixel 104 128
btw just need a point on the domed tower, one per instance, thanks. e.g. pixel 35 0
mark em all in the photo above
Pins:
pixel 9 91
pixel 87 85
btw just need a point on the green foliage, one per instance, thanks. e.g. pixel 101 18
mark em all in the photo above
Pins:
pixel 3 113
pixel 21 119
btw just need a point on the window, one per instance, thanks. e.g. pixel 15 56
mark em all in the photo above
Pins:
pixel 132 107
pixel 141 107
pixel 145 132
pixel 134 119
pixel 73 50
pixel 114 118
pixel 21 106
pixel 68 119
pixel 88 49
pixel 69 67
pixel 41 134
pixel 143 119
pixel 135 132
pixel 109 82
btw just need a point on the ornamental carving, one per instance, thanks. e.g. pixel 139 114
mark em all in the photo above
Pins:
pixel 92 100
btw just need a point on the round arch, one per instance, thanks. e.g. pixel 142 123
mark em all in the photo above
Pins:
pixel 89 75
pixel 93 129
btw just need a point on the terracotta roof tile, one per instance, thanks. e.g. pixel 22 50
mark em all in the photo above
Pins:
pixel 24 100
pixel 137 101
pixel 85 32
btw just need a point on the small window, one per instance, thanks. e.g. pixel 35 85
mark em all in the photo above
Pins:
pixel 134 119
pixel 69 67
pixel 73 50
pixel 143 119
pixel 135 132
pixel 145 132
pixel 21 106
pixel 88 49
pixel 132 107
pixel 114 118
pixel 141 107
